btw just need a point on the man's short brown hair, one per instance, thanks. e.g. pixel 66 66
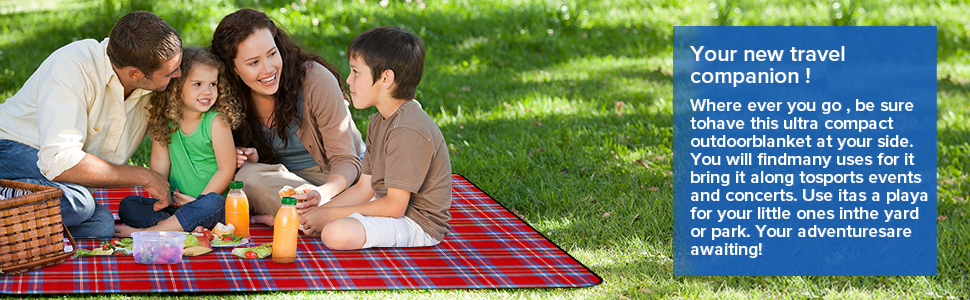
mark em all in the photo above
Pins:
pixel 391 48
pixel 142 40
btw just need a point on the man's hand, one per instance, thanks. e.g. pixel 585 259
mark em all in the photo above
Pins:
pixel 92 171
pixel 158 187
pixel 245 156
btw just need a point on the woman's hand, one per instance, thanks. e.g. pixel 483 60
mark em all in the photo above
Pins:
pixel 309 200
pixel 245 156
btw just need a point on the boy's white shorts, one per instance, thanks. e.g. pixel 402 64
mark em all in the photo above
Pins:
pixel 393 232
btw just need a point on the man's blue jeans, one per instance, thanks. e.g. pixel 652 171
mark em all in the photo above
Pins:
pixel 206 211
pixel 82 216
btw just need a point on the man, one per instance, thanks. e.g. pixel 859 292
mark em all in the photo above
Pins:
pixel 80 116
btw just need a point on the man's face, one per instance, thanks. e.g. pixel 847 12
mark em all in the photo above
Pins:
pixel 158 80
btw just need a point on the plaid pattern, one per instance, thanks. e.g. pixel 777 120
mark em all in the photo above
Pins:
pixel 488 247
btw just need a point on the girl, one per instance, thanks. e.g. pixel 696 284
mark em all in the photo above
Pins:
pixel 190 124
pixel 298 129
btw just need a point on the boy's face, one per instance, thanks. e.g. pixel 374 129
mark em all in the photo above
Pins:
pixel 363 91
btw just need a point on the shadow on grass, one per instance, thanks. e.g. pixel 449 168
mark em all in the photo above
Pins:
pixel 953 149
pixel 485 50
pixel 24 54
pixel 814 287
pixel 569 169
pixel 950 86
pixel 954 143
pixel 42 37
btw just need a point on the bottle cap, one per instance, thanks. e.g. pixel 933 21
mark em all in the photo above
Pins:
pixel 289 201
pixel 236 185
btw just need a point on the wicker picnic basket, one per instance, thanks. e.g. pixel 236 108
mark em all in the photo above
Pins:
pixel 31 231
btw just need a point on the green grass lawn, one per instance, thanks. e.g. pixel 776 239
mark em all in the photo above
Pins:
pixel 561 110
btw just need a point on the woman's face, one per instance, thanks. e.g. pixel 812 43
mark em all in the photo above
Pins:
pixel 258 63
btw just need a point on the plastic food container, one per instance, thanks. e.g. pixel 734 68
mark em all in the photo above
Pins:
pixel 157 247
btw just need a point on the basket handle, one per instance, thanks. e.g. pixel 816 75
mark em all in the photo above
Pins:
pixel 51 260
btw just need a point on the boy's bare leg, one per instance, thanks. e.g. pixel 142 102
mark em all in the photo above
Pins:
pixel 344 234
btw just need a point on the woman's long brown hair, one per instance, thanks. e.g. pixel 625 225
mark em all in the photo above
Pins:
pixel 233 30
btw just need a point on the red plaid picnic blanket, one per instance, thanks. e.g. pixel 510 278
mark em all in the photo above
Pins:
pixel 488 247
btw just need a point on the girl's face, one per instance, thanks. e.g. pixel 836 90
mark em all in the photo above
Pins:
pixel 201 89
pixel 258 63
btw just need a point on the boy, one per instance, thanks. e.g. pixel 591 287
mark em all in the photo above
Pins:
pixel 406 164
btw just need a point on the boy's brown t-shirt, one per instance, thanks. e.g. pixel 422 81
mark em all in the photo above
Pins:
pixel 407 151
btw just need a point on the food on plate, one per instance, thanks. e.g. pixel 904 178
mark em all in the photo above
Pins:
pixel 96 251
pixel 204 242
pixel 223 229
pixel 190 241
pixel 195 251
pixel 227 240
pixel 202 247
pixel 261 251
pixel 193 245
pixel 220 236
pixel 199 245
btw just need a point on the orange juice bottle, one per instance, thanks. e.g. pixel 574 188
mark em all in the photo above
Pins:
pixel 285 231
pixel 237 209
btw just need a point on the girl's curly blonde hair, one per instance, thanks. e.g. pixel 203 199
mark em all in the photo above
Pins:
pixel 165 107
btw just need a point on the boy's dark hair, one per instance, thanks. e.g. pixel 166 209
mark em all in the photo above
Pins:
pixel 392 48
pixel 142 40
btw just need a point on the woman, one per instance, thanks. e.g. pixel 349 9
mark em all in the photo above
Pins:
pixel 298 129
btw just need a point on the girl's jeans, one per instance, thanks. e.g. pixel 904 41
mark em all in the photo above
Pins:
pixel 206 211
